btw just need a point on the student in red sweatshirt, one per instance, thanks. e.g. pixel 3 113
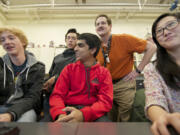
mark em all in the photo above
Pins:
pixel 84 90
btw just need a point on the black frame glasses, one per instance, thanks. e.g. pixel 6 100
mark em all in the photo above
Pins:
pixel 170 26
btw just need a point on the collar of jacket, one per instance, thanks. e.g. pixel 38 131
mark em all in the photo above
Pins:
pixel 7 63
pixel 68 52
pixel 31 60
pixel 92 67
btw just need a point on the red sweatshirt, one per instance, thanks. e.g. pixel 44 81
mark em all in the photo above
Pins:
pixel 89 87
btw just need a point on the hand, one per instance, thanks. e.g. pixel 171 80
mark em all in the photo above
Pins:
pixel 49 83
pixel 74 116
pixel 159 126
pixel 60 117
pixel 5 117
pixel 131 76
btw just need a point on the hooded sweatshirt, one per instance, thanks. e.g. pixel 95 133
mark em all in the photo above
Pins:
pixel 77 85
pixel 23 93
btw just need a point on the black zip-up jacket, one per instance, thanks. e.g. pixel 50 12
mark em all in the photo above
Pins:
pixel 24 93
pixel 60 61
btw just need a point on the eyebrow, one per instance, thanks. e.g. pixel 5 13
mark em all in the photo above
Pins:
pixel 79 43
pixel 167 23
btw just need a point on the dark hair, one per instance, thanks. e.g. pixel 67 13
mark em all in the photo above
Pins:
pixel 107 18
pixel 165 63
pixel 72 30
pixel 92 40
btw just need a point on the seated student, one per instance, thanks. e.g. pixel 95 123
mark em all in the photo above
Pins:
pixel 59 62
pixel 84 90
pixel 21 78
pixel 162 78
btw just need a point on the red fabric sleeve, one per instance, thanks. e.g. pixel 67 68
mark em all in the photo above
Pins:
pixel 57 97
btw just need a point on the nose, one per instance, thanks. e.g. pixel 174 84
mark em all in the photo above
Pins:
pixel 165 31
pixel 76 48
pixel 70 39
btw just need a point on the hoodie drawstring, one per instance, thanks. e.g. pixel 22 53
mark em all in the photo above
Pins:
pixel 4 75
pixel 27 73
pixel 87 70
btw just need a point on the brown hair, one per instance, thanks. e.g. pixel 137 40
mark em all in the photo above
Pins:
pixel 107 18
pixel 17 32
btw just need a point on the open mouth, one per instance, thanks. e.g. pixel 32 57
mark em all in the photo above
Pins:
pixel 9 48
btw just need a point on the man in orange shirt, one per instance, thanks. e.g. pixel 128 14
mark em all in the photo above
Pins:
pixel 117 55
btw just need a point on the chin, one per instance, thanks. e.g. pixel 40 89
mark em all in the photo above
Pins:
pixel 77 59
pixel 101 34
pixel 11 53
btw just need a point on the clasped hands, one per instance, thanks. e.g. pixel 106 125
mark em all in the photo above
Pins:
pixel 75 115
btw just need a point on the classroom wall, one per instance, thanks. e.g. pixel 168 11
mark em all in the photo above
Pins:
pixel 43 33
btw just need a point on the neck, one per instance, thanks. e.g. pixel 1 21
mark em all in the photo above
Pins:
pixel 176 55
pixel 105 39
pixel 90 62
pixel 18 60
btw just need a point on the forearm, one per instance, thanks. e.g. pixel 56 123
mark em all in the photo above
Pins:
pixel 154 112
pixel 149 52
pixel 56 106
pixel 96 110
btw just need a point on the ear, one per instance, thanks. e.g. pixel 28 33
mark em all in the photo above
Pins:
pixel 93 50
pixel 110 26
pixel 24 45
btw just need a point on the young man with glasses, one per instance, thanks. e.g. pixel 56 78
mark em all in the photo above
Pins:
pixel 59 62
pixel 117 55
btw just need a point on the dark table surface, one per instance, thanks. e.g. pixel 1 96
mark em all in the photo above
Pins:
pixel 110 128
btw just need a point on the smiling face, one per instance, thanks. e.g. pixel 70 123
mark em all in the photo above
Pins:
pixel 82 51
pixel 11 43
pixel 102 26
pixel 170 33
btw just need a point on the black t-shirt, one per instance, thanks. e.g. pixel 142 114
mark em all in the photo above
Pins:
pixel 18 69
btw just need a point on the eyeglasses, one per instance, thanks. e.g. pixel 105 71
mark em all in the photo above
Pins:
pixel 170 26
pixel 73 38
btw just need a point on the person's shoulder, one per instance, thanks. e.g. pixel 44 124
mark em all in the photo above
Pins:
pixel 121 35
pixel 150 67
pixel 1 61
pixel 72 66
pixel 102 69
pixel 39 65
pixel 58 56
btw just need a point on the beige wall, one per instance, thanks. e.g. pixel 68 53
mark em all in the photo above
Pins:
pixel 42 33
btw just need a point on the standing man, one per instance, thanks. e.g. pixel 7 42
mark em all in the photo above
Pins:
pixel 116 54
pixel 59 62
pixel 84 90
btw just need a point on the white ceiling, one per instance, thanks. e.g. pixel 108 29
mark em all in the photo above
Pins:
pixel 49 10
pixel 26 2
